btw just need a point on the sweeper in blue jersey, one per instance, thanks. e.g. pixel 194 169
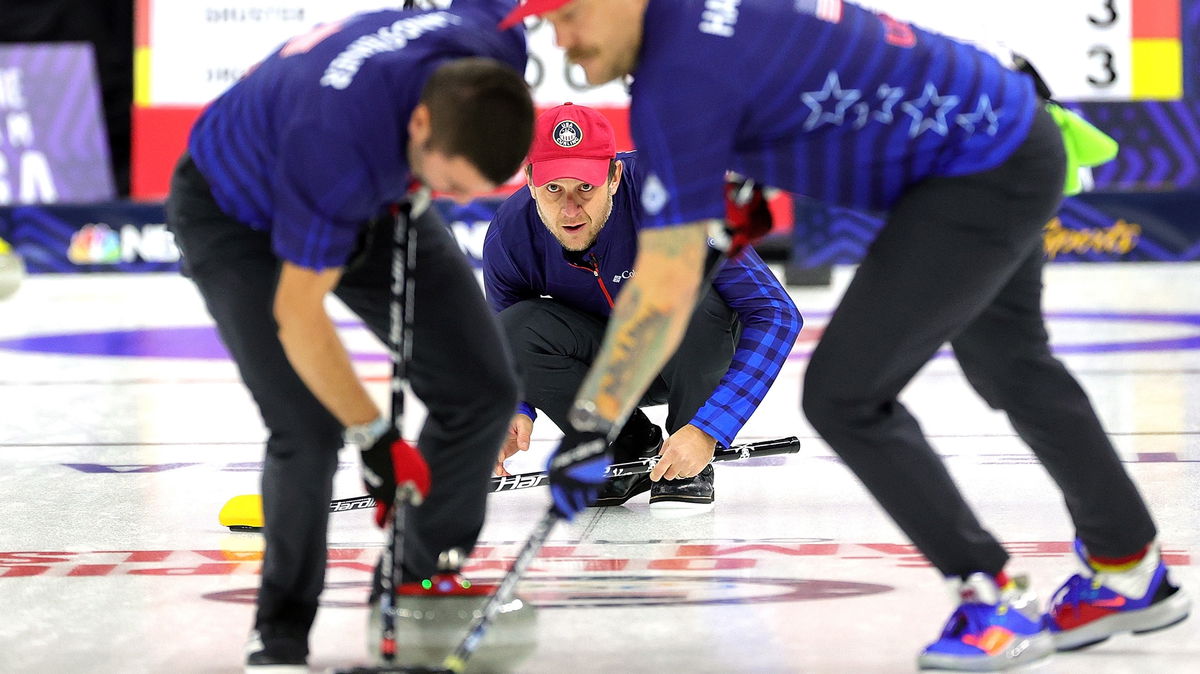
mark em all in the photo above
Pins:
pixel 276 205
pixel 556 258
pixel 961 157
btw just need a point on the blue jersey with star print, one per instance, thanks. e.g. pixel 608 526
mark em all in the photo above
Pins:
pixel 819 97
pixel 522 260
pixel 311 143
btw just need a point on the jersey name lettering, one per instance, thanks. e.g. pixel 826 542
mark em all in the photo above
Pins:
pixel 344 67
pixel 719 17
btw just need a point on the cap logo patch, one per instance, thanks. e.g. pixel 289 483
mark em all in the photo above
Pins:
pixel 567 134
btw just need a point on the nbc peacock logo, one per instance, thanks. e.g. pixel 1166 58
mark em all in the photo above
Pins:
pixel 95 244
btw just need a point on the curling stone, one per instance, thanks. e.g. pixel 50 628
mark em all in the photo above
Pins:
pixel 432 617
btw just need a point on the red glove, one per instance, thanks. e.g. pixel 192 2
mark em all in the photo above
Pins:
pixel 392 464
pixel 747 214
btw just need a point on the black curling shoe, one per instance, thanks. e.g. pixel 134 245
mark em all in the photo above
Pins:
pixel 639 439
pixel 693 493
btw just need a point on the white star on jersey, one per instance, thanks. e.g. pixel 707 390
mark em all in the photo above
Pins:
pixel 889 97
pixel 842 100
pixel 925 119
pixel 983 113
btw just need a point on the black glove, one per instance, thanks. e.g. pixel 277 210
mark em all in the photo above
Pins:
pixel 577 471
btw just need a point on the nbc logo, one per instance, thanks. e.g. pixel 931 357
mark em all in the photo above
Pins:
pixel 97 243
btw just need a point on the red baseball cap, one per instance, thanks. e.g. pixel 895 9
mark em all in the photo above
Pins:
pixel 572 141
pixel 530 8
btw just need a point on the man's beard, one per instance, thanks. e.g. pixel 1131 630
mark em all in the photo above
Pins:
pixel 590 242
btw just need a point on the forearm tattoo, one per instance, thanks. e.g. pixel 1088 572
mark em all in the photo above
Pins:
pixel 647 322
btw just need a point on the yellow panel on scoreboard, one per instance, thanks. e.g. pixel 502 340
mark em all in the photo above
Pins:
pixel 1157 69
pixel 141 76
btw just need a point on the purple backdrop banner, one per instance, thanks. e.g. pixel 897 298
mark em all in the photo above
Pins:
pixel 53 147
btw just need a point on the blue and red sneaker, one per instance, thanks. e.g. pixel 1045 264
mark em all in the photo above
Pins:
pixel 992 629
pixel 1094 605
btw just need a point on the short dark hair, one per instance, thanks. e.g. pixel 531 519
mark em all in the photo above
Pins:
pixel 481 110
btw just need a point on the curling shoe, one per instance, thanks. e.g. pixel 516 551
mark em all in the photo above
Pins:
pixel 992 629
pixel 638 439
pixel 688 495
pixel 1094 605
pixel 272 652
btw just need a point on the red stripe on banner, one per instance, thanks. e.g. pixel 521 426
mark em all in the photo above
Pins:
pixel 619 118
pixel 783 213
pixel 159 138
pixel 1156 19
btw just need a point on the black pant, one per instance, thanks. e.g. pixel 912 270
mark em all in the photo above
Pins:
pixel 959 260
pixel 459 369
pixel 555 344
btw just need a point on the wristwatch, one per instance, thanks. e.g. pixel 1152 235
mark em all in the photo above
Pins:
pixel 365 435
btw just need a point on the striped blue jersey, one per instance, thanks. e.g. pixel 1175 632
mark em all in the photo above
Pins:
pixel 819 97
pixel 522 260
pixel 312 142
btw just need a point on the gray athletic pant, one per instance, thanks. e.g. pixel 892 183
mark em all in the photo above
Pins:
pixel 460 370
pixel 959 260
pixel 555 344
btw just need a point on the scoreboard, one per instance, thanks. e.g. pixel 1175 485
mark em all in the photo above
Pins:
pixel 1094 52
pixel 1086 50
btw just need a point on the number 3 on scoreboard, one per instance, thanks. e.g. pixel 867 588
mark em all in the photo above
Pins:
pixel 1110 6
pixel 1103 57
pixel 1103 71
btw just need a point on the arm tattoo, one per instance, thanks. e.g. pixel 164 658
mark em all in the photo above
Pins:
pixel 648 321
